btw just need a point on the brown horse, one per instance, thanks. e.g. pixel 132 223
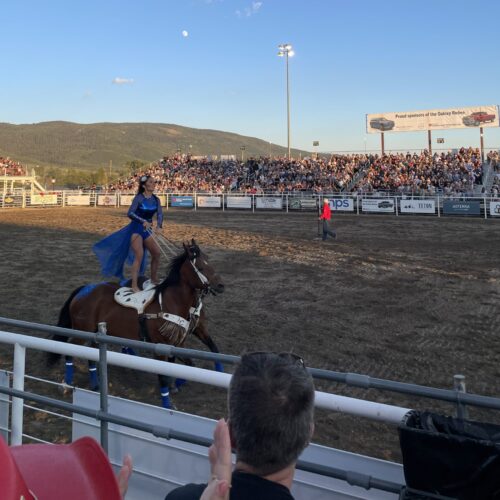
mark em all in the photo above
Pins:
pixel 167 319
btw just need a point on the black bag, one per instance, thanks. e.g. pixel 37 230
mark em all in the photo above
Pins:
pixel 450 456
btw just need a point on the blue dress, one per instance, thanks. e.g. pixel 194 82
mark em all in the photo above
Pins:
pixel 114 250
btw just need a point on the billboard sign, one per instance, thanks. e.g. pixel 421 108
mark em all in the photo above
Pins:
pixel 43 199
pixel 269 203
pixel 181 201
pixel 433 119
pixel 418 206
pixel 107 200
pixel 126 199
pixel 451 207
pixel 78 200
pixel 342 204
pixel 377 205
pixel 495 208
pixel 209 201
pixel 239 202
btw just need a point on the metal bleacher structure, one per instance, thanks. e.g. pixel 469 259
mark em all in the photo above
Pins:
pixel 169 448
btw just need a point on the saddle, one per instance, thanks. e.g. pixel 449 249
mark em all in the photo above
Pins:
pixel 126 297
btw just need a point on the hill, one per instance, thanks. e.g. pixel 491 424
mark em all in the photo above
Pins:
pixel 91 146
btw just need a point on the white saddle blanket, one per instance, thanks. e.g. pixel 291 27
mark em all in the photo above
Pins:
pixel 125 296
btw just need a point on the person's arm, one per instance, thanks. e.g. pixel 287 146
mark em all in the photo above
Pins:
pixel 219 455
pixel 133 208
pixel 159 213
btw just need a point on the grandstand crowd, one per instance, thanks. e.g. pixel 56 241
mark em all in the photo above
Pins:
pixel 450 174
pixel 10 167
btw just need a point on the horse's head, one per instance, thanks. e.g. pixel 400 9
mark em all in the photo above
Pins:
pixel 203 274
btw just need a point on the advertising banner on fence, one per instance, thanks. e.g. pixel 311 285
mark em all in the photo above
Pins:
pixel 78 199
pixel 342 205
pixel 418 206
pixel 377 205
pixel 209 201
pixel 433 119
pixel 451 207
pixel 126 199
pixel 43 199
pixel 302 203
pixel 181 201
pixel 239 202
pixel 495 208
pixel 106 200
pixel 270 202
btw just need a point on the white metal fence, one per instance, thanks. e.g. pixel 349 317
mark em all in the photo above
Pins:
pixel 359 204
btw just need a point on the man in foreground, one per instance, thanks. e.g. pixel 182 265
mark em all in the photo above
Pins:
pixel 271 412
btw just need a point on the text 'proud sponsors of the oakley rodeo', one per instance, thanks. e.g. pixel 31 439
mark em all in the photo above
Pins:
pixel 433 119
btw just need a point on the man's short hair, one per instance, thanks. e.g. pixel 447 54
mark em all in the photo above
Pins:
pixel 271 410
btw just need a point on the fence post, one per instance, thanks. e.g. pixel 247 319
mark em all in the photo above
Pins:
pixel 439 208
pixel 485 208
pixel 396 204
pixel 459 386
pixel 103 375
pixel 16 437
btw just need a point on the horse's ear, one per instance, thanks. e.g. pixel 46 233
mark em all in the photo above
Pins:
pixel 185 247
pixel 193 242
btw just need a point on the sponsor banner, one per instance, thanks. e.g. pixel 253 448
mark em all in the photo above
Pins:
pixel 238 202
pixel 209 201
pixel 342 204
pixel 181 201
pixel 43 199
pixel 163 199
pixel 12 200
pixel 126 199
pixel 495 208
pixel 106 200
pixel 78 199
pixel 417 206
pixel 302 204
pixel 451 207
pixel 269 203
pixel 377 205
pixel 433 119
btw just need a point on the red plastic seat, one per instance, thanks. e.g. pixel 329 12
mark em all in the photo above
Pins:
pixel 80 471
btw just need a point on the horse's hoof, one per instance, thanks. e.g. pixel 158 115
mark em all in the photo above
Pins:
pixel 174 390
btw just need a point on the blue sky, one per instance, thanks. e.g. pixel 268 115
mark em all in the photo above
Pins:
pixel 128 61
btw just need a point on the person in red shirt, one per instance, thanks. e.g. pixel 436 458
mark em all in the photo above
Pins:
pixel 325 216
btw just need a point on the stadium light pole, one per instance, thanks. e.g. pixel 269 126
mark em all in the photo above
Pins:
pixel 285 50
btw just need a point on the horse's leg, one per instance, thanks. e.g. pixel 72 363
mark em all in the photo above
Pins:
pixel 165 383
pixel 201 332
pixel 68 374
pixel 93 377
pixel 128 350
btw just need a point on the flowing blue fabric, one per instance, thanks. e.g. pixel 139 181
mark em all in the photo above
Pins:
pixel 114 250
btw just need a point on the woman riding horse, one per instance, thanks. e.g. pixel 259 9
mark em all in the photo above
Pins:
pixel 129 243
pixel 173 312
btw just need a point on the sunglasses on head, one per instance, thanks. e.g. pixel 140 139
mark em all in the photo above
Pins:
pixel 284 355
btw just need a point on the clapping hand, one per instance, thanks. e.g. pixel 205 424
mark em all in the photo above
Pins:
pixel 219 455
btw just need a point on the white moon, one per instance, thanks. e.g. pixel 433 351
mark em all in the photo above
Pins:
pixel 185 33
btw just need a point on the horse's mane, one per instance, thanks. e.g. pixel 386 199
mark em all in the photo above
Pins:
pixel 174 270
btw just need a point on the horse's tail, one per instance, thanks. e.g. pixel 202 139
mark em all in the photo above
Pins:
pixel 64 322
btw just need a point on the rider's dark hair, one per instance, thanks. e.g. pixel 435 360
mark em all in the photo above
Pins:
pixel 142 180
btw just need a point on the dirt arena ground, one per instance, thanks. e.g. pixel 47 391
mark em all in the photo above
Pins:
pixel 409 299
